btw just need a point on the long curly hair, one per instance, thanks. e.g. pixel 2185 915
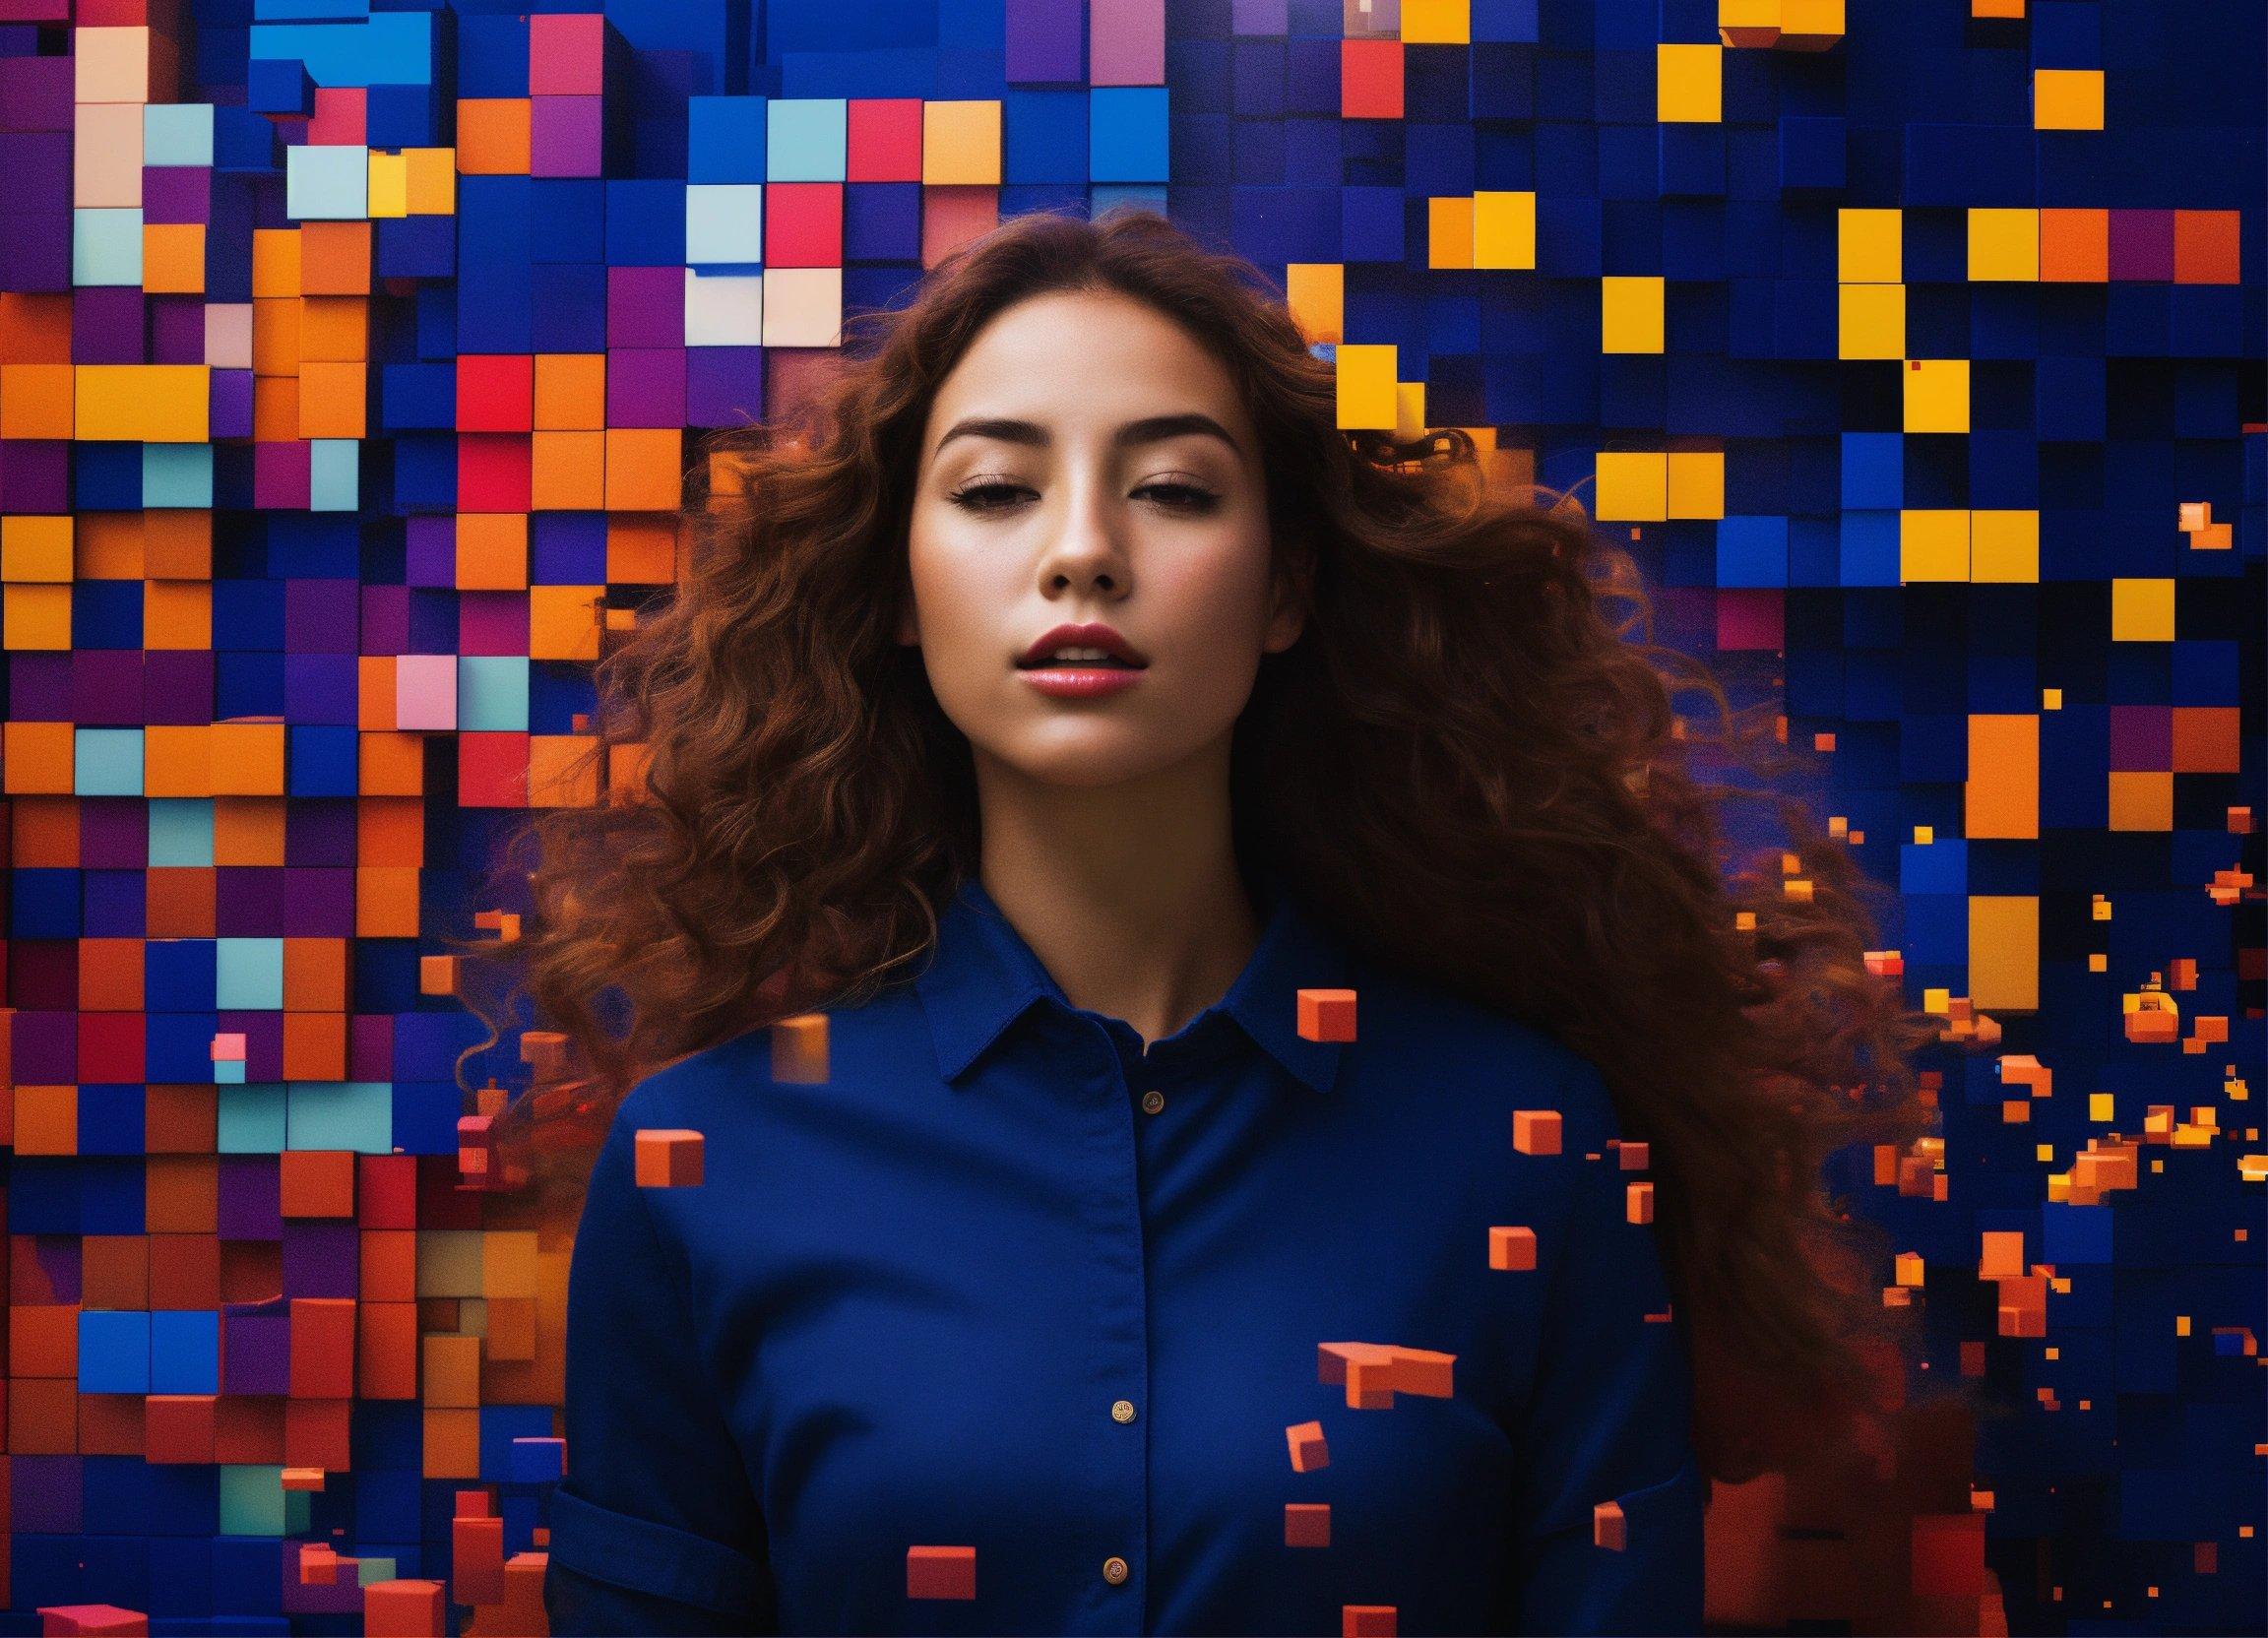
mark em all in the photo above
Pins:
pixel 1469 764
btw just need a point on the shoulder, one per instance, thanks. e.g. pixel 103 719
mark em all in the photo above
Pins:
pixel 1420 1028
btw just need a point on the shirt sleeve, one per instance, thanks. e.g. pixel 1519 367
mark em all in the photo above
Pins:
pixel 1611 1416
pixel 655 1526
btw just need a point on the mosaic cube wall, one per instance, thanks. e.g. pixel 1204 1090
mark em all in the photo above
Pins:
pixel 349 352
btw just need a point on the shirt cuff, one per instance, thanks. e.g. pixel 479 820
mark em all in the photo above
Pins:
pixel 649 1557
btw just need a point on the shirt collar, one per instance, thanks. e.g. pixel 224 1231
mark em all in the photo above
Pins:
pixel 982 976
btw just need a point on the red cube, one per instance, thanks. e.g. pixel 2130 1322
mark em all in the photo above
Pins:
pixel 940 1572
pixel 495 391
pixel 803 224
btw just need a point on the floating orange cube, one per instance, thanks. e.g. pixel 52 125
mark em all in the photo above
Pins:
pixel 1327 1015
pixel 1535 1131
pixel 940 1572
pixel 668 1158
pixel 1512 1248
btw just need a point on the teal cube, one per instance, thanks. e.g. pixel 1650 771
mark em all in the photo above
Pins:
pixel 177 134
pixel 334 473
pixel 251 1119
pixel 341 1114
pixel 248 975
pixel 177 475
pixel 327 183
pixel 807 139
pixel 107 246
pixel 180 832
pixel 107 761
pixel 492 693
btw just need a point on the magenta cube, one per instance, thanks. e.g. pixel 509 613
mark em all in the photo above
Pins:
pixel 645 307
pixel 566 135
pixel 646 385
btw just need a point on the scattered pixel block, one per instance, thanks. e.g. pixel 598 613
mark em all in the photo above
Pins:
pixel 1535 1131
pixel 799 1049
pixel 1308 1449
pixel 1325 1015
pixel 1511 1248
pixel 667 1158
pixel 1608 1528
pixel 940 1572
pixel 1306 1524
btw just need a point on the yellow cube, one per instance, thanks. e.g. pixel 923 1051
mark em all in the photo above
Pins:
pixel 432 181
pixel 1437 22
pixel 961 142
pixel 1869 246
pixel 1689 84
pixel 1696 484
pixel 1633 486
pixel 1316 293
pixel 1630 313
pixel 1936 394
pixel 1448 232
pixel 1870 321
pixel 1932 544
pixel 150 403
pixel 2005 546
pixel 1504 229
pixel 1367 378
pixel 389 185
pixel 2067 100
pixel 2141 610
pixel 2003 244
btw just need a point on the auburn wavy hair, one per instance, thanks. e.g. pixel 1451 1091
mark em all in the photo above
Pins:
pixel 1469 764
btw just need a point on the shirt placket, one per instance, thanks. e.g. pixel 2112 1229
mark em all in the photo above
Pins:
pixel 1120 1385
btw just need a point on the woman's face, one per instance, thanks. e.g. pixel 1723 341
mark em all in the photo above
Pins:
pixel 1071 471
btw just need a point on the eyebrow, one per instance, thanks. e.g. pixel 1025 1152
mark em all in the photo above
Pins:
pixel 1151 429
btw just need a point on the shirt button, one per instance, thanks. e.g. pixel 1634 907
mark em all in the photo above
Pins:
pixel 1152 1101
pixel 1122 1410
pixel 1115 1570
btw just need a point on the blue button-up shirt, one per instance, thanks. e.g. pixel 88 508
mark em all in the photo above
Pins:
pixel 982 1289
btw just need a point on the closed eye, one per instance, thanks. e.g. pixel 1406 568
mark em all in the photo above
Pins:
pixel 1184 497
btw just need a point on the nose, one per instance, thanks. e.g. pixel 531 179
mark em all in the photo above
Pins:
pixel 1086 555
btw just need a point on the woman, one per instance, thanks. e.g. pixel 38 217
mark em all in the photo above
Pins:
pixel 1074 715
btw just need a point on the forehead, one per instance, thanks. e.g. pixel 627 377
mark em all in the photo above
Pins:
pixel 1081 365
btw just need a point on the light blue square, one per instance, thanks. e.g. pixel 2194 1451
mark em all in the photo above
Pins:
pixel 113 1351
pixel 107 246
pixel 334 481
pixel 248 975
pixel 177 134
pixel 723 222
pixel 107 761
pixel 1126 134
pixel 330 182
pixel 807 139
pixel 492 693
pixel 177 475
pixel 250 1119
pixel 180 831
pixel 341 1114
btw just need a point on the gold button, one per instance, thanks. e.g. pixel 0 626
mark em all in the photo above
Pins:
pixel 1122 1410
pixel 1152 1101
pixel 1115 1570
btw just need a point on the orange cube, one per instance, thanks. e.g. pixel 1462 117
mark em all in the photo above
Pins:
pixel 1512 1248
pixel 1325 1015
pixel 1535 1131
pixel 495 136
pixel 799 1049
pixel 668 1158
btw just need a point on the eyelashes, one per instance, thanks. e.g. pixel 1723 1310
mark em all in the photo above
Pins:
pixel 1190 497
